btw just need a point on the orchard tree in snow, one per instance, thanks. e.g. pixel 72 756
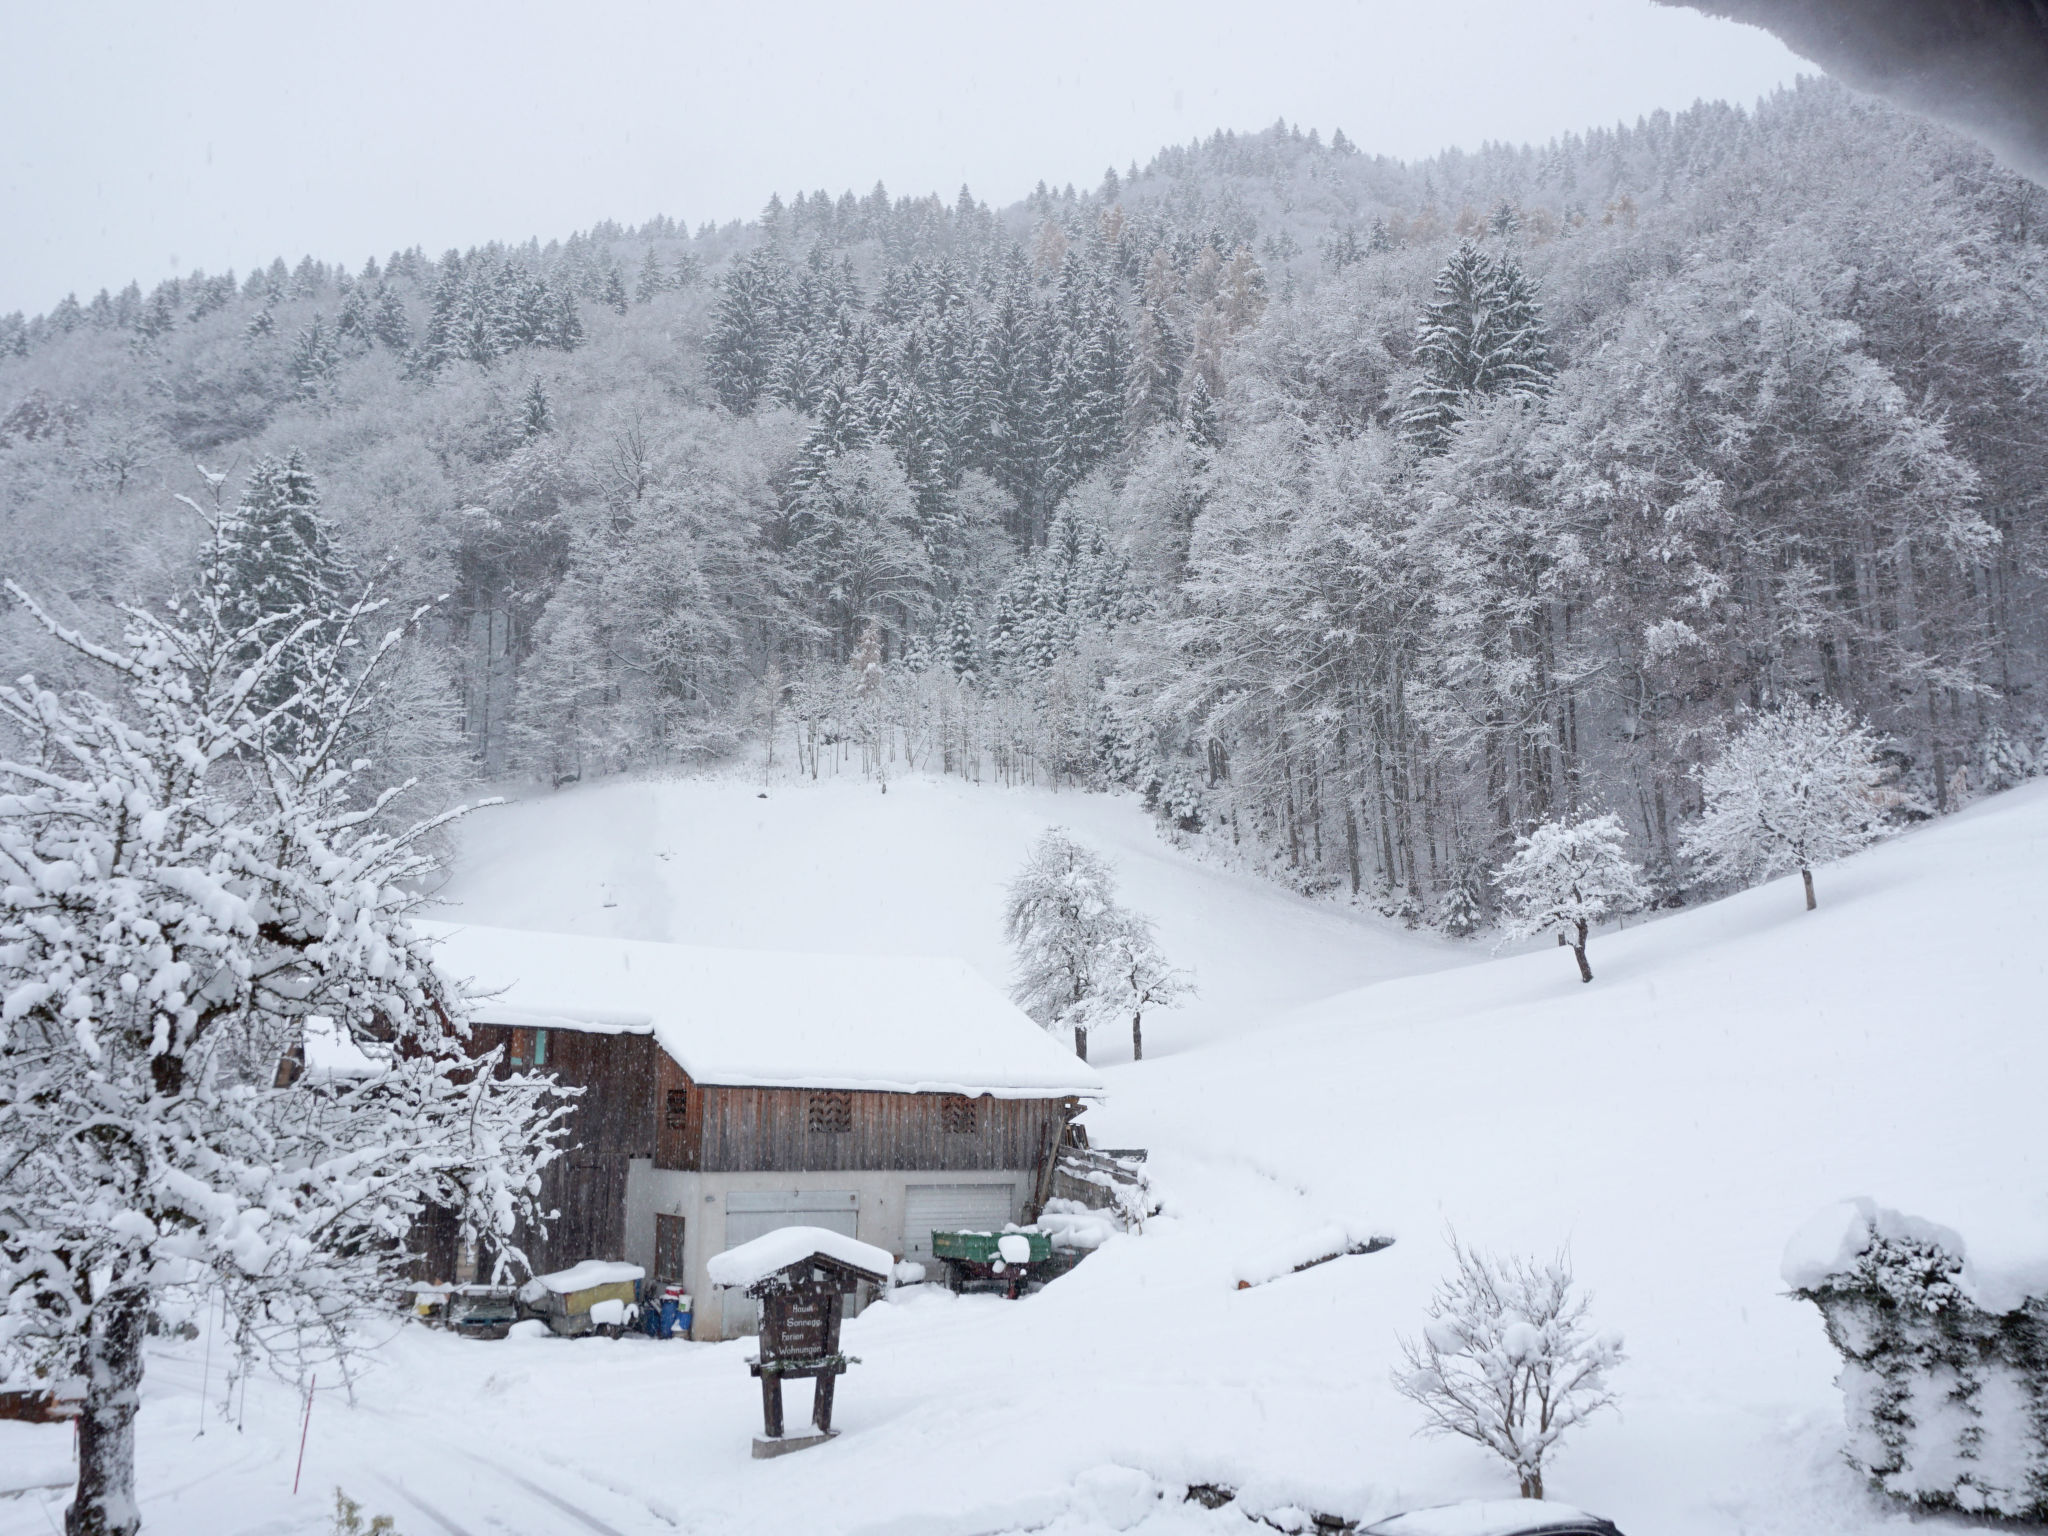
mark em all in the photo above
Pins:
pixel 1135 976
pixel 187 893
pixel 1567 875
pixel 1061 916
pixel 1508 1359
pixel 1794 788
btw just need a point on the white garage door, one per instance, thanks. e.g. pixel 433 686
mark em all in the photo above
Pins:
pixel 752 1215
pixel 748 1216
pixel 953 1208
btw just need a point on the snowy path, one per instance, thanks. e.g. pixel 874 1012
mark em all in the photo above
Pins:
pixel 1732 1069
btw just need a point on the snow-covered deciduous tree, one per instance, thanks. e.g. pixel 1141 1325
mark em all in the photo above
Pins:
pixel 1061 914
pixel 1135 976
pixel 1508 1359
pixel 1082 959
pixel 187 894
pixel 1567 875
pixel 1795 788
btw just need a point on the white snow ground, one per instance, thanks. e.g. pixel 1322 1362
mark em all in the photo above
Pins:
pixel 1732 1070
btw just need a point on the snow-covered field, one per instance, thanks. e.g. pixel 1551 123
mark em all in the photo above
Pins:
pixel 1732 1070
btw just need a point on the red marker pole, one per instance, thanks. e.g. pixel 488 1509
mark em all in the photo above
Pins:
pixel 303 1430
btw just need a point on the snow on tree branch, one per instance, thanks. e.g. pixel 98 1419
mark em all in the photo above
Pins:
pixel 1508 1359
pixel 186 891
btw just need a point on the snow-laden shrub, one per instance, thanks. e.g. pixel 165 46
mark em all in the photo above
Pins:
pixel 1944 1363
pixel 1509 1359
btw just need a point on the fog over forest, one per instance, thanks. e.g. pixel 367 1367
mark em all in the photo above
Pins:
pixel 1359 514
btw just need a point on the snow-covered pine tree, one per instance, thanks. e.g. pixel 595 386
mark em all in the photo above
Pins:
pixel 653 280
pixel 536 412
pixel 171 932
pixel 1135 976
pixel 389 321
pixel 1795 787
pixel 1482 335
pixel 1508 1359
pixel 315 358
pixel 1565 876
pixel 1061 918
pixel 558 722
pixel 275 557
pixel 745 338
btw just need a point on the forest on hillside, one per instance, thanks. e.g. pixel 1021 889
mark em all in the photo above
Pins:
pixel 1359 514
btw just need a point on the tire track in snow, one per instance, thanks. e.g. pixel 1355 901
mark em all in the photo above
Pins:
pixel 421 1505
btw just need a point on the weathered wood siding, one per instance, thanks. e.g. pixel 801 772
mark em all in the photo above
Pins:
pixel 612 1123
pixel 637 1102
pixel 782 1130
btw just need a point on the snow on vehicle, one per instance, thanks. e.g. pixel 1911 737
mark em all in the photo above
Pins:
pixel 1494 1517
pixel 994 1260
pixel 595 1296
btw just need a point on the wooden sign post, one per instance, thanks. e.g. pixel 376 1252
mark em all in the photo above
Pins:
pixel 801 1308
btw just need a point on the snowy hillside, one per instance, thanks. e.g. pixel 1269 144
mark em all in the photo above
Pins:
pixel 1732 1069
pixel 838 867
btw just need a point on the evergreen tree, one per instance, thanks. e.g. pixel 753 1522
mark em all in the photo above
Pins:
pixel 315 358
pixel 1481 336
pixel 389 321
pixel 536 415
pixel 276 571
pixel 354 324
pixel 613 292
pixel 653 280
pixel 746 332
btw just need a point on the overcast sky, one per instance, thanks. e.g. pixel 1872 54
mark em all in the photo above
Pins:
pixel 138 140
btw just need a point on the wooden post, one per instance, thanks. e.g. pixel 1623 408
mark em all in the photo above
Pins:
pixel 771 1403
pixel 821 1404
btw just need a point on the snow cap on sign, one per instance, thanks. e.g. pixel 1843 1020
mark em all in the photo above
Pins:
pixel 761 1019
pixel 777 1250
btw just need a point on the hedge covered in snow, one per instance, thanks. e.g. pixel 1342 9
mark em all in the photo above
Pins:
pixel 1945 1361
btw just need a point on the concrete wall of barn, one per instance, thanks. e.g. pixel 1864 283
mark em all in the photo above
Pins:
pixel 699 1199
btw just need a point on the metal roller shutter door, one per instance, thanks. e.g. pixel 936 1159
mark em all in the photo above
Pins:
pixel 953 1208
pixel 748 1216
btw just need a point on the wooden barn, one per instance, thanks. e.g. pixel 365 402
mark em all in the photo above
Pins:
pixel 732 1092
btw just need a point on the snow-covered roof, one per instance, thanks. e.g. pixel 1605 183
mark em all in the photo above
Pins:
pixel 756 1018
pixel 777 1250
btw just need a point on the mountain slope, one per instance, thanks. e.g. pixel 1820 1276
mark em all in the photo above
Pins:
pixel 840 867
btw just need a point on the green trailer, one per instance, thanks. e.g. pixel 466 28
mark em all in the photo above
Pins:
pixel 982 1261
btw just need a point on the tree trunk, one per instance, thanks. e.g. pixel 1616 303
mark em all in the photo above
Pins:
pixel 1807 876
pixel 105 1501
pixel 1137 1036
pixel 1532 1483
pixel 1080 1042
pixel 1585 970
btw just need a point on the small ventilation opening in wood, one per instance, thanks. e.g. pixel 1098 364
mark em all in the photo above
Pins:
pixel 678 1112
pixel 830 1113
pixel 957 1113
